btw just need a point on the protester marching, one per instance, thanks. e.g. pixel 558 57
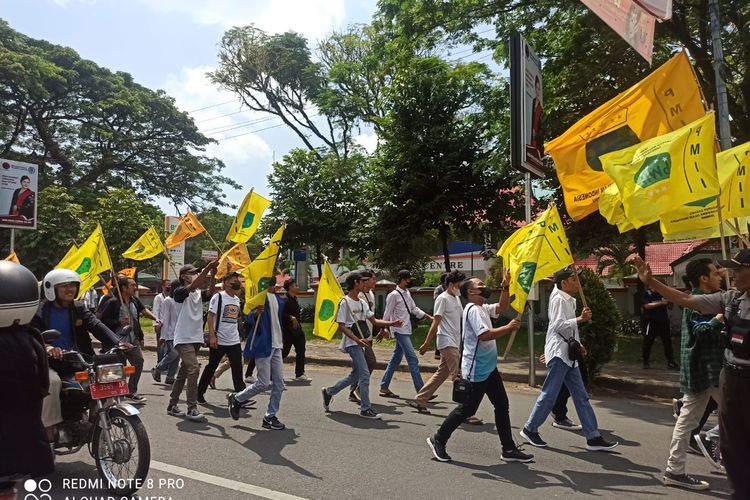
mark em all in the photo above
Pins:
pixel 647 157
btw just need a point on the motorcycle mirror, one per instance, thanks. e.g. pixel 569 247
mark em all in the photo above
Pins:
pixel 50 335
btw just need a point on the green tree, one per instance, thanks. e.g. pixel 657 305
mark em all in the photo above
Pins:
pixel 615 257
pixel 88 127
pixel 600 334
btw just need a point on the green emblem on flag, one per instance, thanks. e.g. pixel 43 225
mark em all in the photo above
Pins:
pixel 264 282
pixel 654 169
pixel 140 249
pixel 326 310
pixel 248 220
pixel 84 267
pixel 526 276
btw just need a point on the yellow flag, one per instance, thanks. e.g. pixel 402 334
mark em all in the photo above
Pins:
pixel 734 175
pixel 73 249
pixel 248 216
pixel 234 259
pixel 147 246
pixel 610 206
pixel 188 227
pixel 705 233
pixel 327 303
pixel 666 100
pixel 260 273
pixel 13 257
pixel 665 173
pixel 534 252
pixel 89 261
pixel 129 272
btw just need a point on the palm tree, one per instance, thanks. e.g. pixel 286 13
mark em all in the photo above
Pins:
pixel 616 257
pixel 348 264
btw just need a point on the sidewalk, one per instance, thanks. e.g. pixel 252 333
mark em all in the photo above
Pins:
pixel 655 382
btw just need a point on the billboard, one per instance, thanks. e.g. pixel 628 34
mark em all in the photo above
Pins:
pixel 176 254
pixel 631 21
pixel 526 108
pixel 18 190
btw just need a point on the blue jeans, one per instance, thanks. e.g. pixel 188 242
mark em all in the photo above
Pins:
pixel 558 372
pixel 403 348
pixel 170 359
pixel 360 374
pixel 270 373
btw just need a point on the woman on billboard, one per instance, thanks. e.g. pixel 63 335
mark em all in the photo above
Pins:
pixel 23 200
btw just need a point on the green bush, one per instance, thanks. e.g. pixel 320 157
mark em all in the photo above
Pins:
pixel 598 336
pixel 631 327
pixel 307 313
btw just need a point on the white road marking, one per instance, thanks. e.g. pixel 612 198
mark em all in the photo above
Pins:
pixel 223 482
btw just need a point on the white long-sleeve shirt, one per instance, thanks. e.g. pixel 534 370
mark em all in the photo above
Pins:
pixel 562 321
pixel 157 307
pixel 398 306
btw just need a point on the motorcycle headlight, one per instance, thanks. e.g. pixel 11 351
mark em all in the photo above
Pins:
pixel 109 373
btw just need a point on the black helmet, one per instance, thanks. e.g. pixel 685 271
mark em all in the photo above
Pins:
pixel 19 294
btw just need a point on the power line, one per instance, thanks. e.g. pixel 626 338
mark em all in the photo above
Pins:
pixel 211 106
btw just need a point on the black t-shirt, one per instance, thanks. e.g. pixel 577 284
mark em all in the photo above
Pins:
pixel 291 309
pixel 657 313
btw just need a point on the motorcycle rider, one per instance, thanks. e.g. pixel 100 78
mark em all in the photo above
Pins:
pixel 24 450
pixel 60 311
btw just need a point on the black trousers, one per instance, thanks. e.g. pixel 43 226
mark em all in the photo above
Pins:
pixel 560 410
pixel 234 354
pixel 734 429
pixel 296 339
pixel 495 391
pixel 652 330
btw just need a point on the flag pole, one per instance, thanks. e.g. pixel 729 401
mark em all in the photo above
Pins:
pixel 580 288
pixel 512 338
pixel 221 250
pixel 111 266
pixel 739 234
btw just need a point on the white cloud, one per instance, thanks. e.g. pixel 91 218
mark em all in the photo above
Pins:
pixel 368 140
pixel 312 18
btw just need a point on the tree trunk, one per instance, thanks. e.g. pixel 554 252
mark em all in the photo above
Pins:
pixel 444 241
pixel 319 262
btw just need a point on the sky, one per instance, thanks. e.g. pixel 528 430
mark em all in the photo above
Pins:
pixel 171 44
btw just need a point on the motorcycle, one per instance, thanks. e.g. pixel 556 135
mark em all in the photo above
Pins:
pixel 95 414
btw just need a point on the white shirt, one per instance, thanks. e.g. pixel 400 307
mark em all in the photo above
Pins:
pixel 227 332
pixel 449 308
pixel 479 356
pixel 189 327
pixel 90 298
pixel 396 309
pixel 169 312
pixel 277 339
pixel 349 312
pixel 157 307
pixel 562 321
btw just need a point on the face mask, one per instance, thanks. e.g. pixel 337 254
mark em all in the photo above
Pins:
pixel 484 292
pixel 235 286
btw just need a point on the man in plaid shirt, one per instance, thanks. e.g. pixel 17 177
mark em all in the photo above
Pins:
pixel 701 359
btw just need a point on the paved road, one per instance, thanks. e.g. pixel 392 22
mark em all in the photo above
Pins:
pixel 338 454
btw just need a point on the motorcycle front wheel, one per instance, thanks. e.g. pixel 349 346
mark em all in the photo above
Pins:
pixel 124 467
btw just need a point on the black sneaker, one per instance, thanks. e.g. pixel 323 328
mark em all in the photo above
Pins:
pixel 196 416
pixel 353 397
pixel 368 413
pixel 326 399
pixel 156 374
pixel 273 423
pixel 175 411
pixel 693 446
pixel 710 450
pixel 567 424
pixel 676 407
pixel 201 399
pixel 516 455
pixel 438 449
pixel 135 399
pixel 234 406
pixel 533 438
pixel 600 444
pixel 684 481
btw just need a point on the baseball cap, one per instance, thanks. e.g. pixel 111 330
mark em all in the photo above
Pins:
pixel 741 259
pixel 188 269
pixel 404 274
pixel 564 274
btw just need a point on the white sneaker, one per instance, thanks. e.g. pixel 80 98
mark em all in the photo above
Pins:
pixel 303 378
pixel 249 379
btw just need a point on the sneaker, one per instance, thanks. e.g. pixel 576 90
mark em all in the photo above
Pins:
pixel 354 397
pixel 600 444
pixel 156 374
pixel 135 399
pixel 326 399
pixel 516 455
pixel 566 424
pixel 175 411
pixel 169 381
pixel 438 449
pixel 684 481
pixel 676 407
pixel 368 413
pixel 201 399
pixel 533 438
pixel 709 449
pixel 234 406
pixel 194 415
pixel 302 378
pixel 273 423
pixel 693 446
